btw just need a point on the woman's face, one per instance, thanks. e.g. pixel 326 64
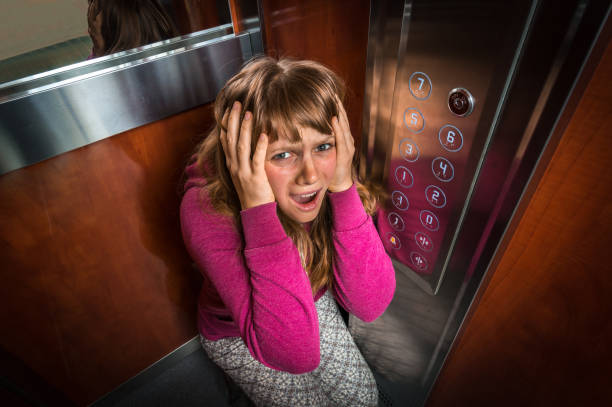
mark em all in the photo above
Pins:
pixel 94 27
pixel 299 173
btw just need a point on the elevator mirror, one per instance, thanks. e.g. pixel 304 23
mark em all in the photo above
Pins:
pixel 46 35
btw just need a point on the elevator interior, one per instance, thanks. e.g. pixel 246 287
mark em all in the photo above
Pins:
pixel 461 98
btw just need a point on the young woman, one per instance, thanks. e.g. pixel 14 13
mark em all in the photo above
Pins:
pixel 282 231
pixel 118 25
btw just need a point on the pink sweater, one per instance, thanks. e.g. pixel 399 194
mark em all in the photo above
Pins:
pixel 265 294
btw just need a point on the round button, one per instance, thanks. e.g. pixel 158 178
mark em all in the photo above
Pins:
pixel 413 119
pixel 429 220
pixel 423 241
pixel 419 85
pixel 418 261
pixel 394 240
pixel 404 177
pixel 399 200
pixel 460 102
pixel 409 150
pixel 435 196
pixel 396 221
pixel 450 138
pixel 442 169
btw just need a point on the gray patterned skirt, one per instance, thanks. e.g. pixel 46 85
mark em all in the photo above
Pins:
pixel 342 378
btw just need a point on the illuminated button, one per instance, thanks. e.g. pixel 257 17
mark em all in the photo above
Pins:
pixel 413 119
pixel 423 241
pixel 396 221
pixel 419 85
pixel 409 150
pixel 418 261
pixel 451 138
pixel 429 220
pixel 435 196
pixel 399 200
pixel 394 240
pixel 403 176
pixel 442 169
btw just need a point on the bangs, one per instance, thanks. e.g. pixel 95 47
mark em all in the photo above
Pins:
pixel 304 98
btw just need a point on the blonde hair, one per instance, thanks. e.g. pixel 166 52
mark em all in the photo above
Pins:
pixel 282 96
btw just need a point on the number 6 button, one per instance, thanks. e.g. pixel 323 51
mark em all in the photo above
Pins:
pixel 451 138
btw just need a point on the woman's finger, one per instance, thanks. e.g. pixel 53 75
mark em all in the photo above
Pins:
pixel 223 134
pixel 243 147
pixel 343 119
pixel 232 132
pixel 339 133
pixel 259 156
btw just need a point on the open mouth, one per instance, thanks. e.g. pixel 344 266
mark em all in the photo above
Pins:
pixel 306 200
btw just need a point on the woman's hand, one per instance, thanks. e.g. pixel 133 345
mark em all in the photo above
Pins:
pixel 345 149
pixel 248 176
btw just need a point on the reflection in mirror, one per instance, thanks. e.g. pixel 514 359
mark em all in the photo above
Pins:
pixel 49 34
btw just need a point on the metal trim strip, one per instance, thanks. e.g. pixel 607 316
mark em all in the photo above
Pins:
pixel 79 111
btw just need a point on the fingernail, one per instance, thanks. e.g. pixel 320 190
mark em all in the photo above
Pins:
pixel 247 116
pixel 236 105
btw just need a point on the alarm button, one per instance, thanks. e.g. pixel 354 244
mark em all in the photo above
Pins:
pixel 394 241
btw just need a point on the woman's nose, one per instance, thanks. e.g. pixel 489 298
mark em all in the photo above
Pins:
pixel 308 172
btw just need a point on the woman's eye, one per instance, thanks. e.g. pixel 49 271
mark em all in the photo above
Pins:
pixel 324 147
pixel 281 156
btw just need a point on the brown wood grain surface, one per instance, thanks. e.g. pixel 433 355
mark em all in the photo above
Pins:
pixel 334 33
pixel 542 332
pixel 96 282
pixel 195 15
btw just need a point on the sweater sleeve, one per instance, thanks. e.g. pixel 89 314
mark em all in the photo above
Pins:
pixel 261 281
pixel 364 279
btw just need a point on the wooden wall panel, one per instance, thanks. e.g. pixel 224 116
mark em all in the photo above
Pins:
pixel 333 32
pixel 542 332
pixel 96 282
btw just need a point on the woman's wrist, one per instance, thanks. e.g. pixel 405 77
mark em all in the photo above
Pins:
pixel 341 187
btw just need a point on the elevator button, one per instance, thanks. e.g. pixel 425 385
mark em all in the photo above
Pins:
pixel 423 241
pixel 399 200
pixel 435 196
pixel 418 261
pixel 409 150
pixel 413 119
pixel 450 138
pixel 419 85
pixel 460 102
pixel 394 240
pixel 404 177
pixel 442 169
pixel 429 220
pixel 396 221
